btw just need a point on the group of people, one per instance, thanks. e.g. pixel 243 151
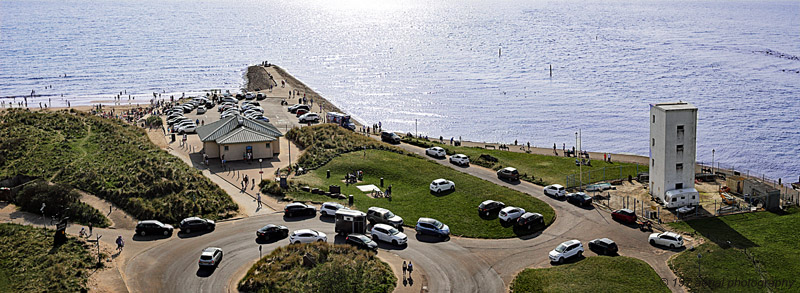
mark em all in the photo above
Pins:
pixel 246 182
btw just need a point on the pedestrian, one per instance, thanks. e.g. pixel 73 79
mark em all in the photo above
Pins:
pixel 259 200
pixel 410 268
pixel 90 228
pixel 83 233
pixel 451 140
pixel 405 267
pixel 529 145
pixel 254 184
pixel 120 243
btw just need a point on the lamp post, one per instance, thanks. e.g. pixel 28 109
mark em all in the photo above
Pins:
pixel 580 164
pixel 712 161
pixel 260 171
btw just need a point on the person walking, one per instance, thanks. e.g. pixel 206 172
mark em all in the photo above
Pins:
pixel 120 243
pixel 405 267
pixel 90 228
pixel 253 186
pixel 258 198
pixel 410 268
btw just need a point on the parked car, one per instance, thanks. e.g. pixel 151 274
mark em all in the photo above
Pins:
pixel 579 198
pixel 330 208
pixel 361 241
pixel 529 221
pixel 201 110
pixel 308 117
pixel 459 159
pixel 153 227
pixel 566 250
pixel 189 128
pixel 599 187
pixel 383 216
pixel 437 152
pixel 293 109
pixel 249 96
pixel 261 118
pixel 508 214
pixel 389 234
pixel 260 96
pixel 508 173
pixel 196 224
pixel 671 239
pixel 211 257
pixel 490 206
pixel 440 185
pixel 271 231
pixel 390 137
pixel 307 236
pixel 624 215
pixel 297 208
pixel 301 112
pixel 555 190
pixel 432 227
pixel 603 246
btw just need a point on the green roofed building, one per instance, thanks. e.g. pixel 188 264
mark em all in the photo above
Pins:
pixel 239 137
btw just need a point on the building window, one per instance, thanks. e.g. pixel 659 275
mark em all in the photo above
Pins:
pixel 653 162
pixel 654 118
pixel 678 185
pixel 680 129
pixel 653 143
pixel 679 167
pixel 226 148
pixel 679 148
pixel 674 199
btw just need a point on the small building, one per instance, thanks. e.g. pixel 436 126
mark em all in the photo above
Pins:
pixel 673 146
pixel 239 138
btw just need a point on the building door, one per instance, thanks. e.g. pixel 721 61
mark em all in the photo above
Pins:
pixel 249 152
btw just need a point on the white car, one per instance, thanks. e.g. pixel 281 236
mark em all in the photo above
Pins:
pixel 307 236
pixel 436 152
pixel 670 239
pixel 440 185
pixel 508 214
pixel 309 117
pixel 201 110
pixel 330 208
pixel 459 159
pixel 389 234
pixel 188 128
pixel 566 250
pixel 211 257
pixel 555 190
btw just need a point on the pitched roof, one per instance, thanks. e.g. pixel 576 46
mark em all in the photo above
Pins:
pixel 238 129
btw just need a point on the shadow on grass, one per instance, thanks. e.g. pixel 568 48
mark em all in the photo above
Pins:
pixel 442 193
pixel 205 272
pixel 506 224
pixel 570 260
pixel 490 216
pixel 719 232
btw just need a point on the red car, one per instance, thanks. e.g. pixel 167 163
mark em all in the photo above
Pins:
pixel 624 215
pixel 300 112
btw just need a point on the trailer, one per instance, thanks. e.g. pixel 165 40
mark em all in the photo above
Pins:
pixel 340 119
pixel 350 221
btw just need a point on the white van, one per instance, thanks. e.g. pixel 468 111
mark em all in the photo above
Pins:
pixel 681 197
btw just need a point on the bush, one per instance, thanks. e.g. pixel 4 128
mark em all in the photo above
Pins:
pixel 154 121
pixel 58 199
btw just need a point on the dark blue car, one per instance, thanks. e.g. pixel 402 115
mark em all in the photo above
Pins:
pixel 432 227
pixel 579 198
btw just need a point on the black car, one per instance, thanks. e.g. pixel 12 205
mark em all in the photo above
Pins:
pixel 293 109
pixel 153 227
pixel 488 207
pixel 603 246
pixel 508 173
pixel 579 198
pixel 294 209
pixel 390 137
pixel 361 241
pixel 272 231
pixel 530 221
pixel 196 224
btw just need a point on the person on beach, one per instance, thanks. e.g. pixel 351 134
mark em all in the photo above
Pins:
pixel 405 267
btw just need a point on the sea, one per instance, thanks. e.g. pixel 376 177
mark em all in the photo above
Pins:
pixel 533 71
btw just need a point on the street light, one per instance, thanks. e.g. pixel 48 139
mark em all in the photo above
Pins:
pixel 580 163
pixel 712 161
pixel 260 171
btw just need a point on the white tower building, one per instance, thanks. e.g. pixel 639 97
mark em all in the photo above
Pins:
pixel 673 147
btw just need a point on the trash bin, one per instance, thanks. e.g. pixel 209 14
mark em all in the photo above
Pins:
pixel 328 172
pixel 350 200
pixel 381 181
pixel 173 137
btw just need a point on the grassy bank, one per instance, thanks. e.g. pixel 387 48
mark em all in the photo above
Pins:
pixel 111 160
pixel 319 267
pixel 29 262
pixel 323 142
pixel 58 199
pixel 540 169
pixel 593 274
pixel 763 247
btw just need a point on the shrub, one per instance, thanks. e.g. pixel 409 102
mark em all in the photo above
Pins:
pixel 154 121
pixel 58 199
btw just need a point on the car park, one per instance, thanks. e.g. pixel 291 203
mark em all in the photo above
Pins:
pixel 386 233
pixel 390 137
pixel 309 117
pixel 307 236
pixel 568 249
pixel 297 208
pixel 530 221
pixel 383 216
pixel 211 256
pixel 555 190
pixel 459 159
pixel 153 227
pixel 361 241
pixel 272 231
pixel 508 173
pixel 437 152
pixel 196 224
pixel 330 208
pixel 579 198
pixel 432 227
pixel 670 239
pixel 488 207
pixel 624 215
pixel 440 185
pixel 603 246
pixel 508 214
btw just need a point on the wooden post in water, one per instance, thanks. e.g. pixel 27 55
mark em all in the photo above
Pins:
pixel 551 70
pixel 499 52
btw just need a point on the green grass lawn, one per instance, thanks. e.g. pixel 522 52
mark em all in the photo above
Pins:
pixel 763 246
pixel 593 274
pixel 29 263
pixel 550 169
pixel 410 177
pixel 334 268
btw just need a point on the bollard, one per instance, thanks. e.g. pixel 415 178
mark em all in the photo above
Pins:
pixel 328 173
pixel 350 200
pixel 381 181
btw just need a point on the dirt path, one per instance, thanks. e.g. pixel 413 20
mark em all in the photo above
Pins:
pixel 119 219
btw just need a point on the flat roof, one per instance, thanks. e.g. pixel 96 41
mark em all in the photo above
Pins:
pixel 675 106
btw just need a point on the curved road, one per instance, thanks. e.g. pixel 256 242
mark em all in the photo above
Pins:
pixel 456 265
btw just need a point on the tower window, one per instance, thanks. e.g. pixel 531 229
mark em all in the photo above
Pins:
pixel 679 148
pixel 679 167
pixel 654 118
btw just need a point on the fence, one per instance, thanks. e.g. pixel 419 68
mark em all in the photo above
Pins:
pixel 605 174
pixel 789 196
